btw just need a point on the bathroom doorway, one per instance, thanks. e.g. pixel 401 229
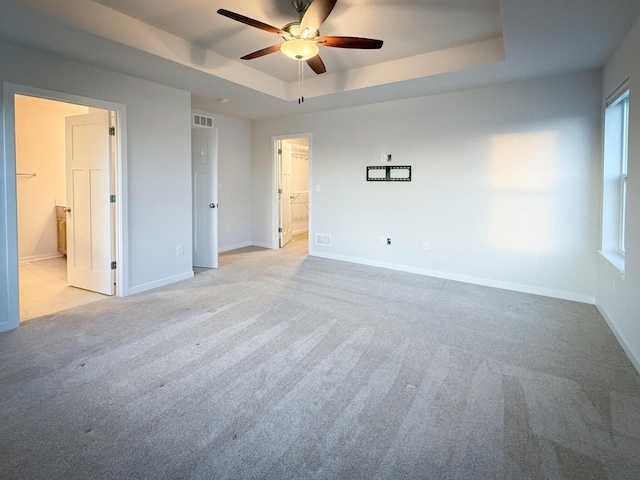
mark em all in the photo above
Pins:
pixel 65 174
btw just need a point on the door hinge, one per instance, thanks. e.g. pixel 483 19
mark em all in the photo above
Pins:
pixel 280 230
pixel 279 151
pixel 279 191
pixel 113 265
pixel 112 199
pixel 112 131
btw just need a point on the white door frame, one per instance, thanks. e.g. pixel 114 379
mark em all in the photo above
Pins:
pixel 8 181
pixel 275 242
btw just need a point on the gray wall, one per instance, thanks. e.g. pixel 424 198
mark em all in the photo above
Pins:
pixel 505 184
pixel 159 161
pixel 619 300
pixel 234 175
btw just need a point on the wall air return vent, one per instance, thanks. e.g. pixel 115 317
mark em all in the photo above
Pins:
pixel 323 239
pixel 202 121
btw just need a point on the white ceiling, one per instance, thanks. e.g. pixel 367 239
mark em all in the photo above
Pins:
pixel 408 28
pixel 431 46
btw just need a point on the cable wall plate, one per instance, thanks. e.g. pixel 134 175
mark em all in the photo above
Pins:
pixel 388 173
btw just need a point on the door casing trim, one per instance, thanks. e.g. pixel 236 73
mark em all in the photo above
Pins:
pixel 275 215
pixel 8 168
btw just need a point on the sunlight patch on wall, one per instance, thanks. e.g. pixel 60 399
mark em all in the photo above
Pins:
pixel 524 161
pixel 524 180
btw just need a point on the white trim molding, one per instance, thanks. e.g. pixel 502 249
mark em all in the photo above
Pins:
pixel 160 283
pixel 8 216
pixel 486 282
pixel 614 261
pixel 235 246
pixel 264 245
pixel 37 258
pixel 635 361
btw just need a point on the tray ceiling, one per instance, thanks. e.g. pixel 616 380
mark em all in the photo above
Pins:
pixel 408 28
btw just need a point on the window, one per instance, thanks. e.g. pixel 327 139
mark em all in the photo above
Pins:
pixel 616 152
pixel 623 169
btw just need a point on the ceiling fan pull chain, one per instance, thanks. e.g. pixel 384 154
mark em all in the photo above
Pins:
pixel 300 81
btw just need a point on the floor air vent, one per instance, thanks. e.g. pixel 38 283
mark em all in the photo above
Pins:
pixel 202 121
pixel 323 239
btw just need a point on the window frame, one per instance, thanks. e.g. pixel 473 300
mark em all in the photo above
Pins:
pixel 624 164
pixel 614 186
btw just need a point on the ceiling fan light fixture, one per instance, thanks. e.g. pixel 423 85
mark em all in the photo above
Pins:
pixel 299 49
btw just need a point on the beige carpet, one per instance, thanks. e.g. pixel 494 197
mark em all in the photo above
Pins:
pixel 280 366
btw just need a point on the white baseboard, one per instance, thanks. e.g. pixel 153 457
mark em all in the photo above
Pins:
pixel 546 292
pixel 619 337
pixel 263 245
pixel 158 283
pixel 228 248
pixel 36 258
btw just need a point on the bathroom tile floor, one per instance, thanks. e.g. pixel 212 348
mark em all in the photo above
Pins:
pixel 44 289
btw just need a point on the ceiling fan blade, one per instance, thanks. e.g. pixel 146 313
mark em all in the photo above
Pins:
pixel 249 21
pixel 349 42
pixel 316 14
pixel 316 64
pixel 262 53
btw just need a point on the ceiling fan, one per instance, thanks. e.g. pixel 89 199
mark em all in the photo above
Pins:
pixel 302 39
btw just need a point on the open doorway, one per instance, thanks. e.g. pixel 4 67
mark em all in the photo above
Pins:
pixel 65 181
pixel 292 159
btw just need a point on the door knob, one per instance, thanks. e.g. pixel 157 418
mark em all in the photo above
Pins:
pixel 67 209
pixel 212 205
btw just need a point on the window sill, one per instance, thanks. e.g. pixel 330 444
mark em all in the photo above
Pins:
pixel 615 262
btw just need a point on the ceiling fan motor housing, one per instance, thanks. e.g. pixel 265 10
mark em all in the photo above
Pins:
pixel 301 6
pixel 294 30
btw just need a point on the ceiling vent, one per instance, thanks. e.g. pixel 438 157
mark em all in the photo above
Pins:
pixel 202 121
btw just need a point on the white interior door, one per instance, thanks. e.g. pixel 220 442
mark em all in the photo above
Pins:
pixel 279 181
pixel 89 226
pixel 204 157
pixel 286 224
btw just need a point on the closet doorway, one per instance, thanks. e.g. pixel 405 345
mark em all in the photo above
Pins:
pixel 292 167
pixel 65 218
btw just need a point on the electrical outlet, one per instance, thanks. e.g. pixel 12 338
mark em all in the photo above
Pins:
pixel 179 250
pixel 383 240
pixel 385 157
pixel 426 246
